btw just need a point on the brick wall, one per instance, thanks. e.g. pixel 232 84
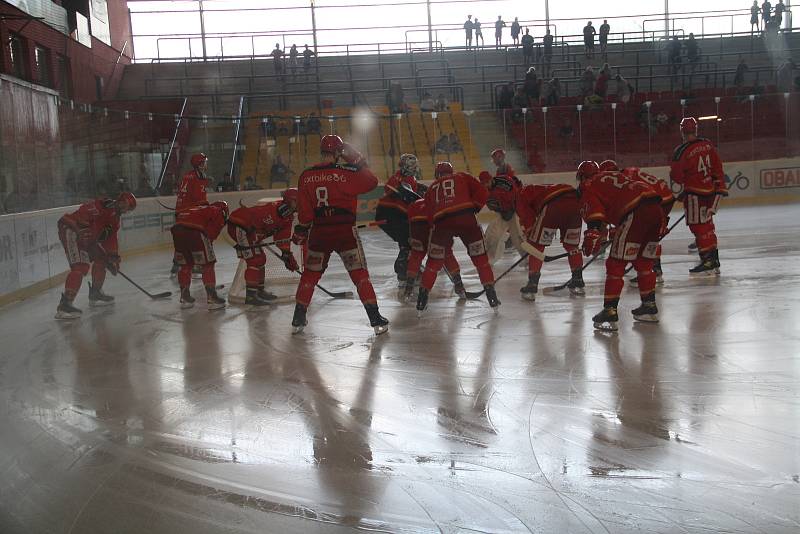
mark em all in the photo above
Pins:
pixel 83 64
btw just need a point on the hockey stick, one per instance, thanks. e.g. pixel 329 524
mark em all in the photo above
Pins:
pixel 165 206
pixel 476 294
pixel 332 294
pixel 662 237
pixel 275 242
pixel 585 265
pixel 157 296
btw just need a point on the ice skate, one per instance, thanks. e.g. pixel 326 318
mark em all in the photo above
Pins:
pixel 606 320
pixel 299 318
pixel 377 321
pixel 422 301
pixel 460 290
pixel 253 300
pixel 265 295
pixel 577 286
pixel 98 298
pixel 214 300
pixel 693 247
pixel 66 310
pixel 528 292
pixel 187 300
pixel 646 313
pixel 491 296
pixel 707 266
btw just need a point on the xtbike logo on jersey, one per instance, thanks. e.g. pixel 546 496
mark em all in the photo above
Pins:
pixel 325 178
pixel 780 178
pixel 163 221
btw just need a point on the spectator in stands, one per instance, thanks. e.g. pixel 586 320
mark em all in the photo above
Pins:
pixel 499 24
pixel 754 11
pixel 588 39
pixel 674 53
pixel 307 55
pixel 468 27
pixel 692 51
pixel 547 40
pixel 738 79
pixel 268 127
pixel 624 89
pixel 277 56
pixel 144 188
pixel 442 145
pixel 441 103
pixel 293 53
pixel 780 9
pixel 784 75
pixel 313 125
pixel 566 131
pixel 515 30
pixel 605 29
pixel 279 172
pixel 520 101
pixel 766 12
pixel 427 103
pixel 226 184
pixel 532 87
pixel 552 92
pixel 506 96
pixel 601 84
pixel 455 143
pixel 250 184
pixel 587 82
pixel 527 47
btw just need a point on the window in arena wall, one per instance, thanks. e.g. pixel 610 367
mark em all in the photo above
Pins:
pixel 16 48
pixel 41 57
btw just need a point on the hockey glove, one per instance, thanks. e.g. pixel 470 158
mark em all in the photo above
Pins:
pixel 493 204
pixel 300 235
pixel 421 189
pixel 353 156
pixel 591 242
pixel 112 263
pixel 289 261
pixel 507 215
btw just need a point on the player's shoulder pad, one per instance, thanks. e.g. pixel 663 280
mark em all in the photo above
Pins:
pixel 682 148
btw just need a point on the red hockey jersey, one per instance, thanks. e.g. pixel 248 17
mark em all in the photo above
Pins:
pixel 697 167
pixel 261 222
pixel 191 191
pixel 96 221
pixel 609 196
pixel 455 193
pixel 208 219
pixel 661 187
pixel 328 193
pixel 418 212
pixel 532 198
pixel 390 198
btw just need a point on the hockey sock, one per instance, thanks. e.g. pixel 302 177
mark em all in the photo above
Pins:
pixel 185 275
pixel 74 280
pixel 414 263
pixel 209 276
pixel 485 273
pixel 615 270
pixel 98 274
pixel 451 264
pixel 305 289
pixel 535 262
pixel 432 268
pixel 254 273
pixel 575 258
pixel 705 236
pixel 366 292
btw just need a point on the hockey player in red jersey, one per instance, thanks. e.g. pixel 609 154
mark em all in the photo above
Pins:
pixel 503 190
pixel 250 225
pixel 326 211
pixel 89 236
pixel 399 192
pixel 545 210
pixel 697 167
pixel 633 208
pixel 192 189
pixel 419 229
pixel 667 201
pixel 452 202
pixel 193 235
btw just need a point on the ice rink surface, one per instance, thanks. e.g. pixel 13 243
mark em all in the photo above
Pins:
pixel 145 418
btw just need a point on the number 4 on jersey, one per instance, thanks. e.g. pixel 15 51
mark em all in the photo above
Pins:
pixel 704 166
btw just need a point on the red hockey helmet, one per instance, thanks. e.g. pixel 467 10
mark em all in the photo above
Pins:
pixel 443 168
pixel 689 125
pixel 587 169
pixel 290 194
pixel 222 205
pixel 609 165
pixel 331 144
pixel 498 156
pixel 485 177
pixel 198 160
pixel 126 201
